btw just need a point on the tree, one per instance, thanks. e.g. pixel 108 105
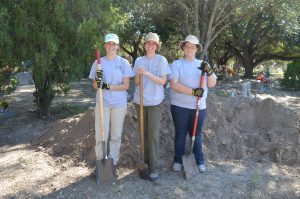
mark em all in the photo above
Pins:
pixel 219 53
pixel 263 36
pixel 51 34
pixel 202 18
pixel 5 39
pixel 291 78
pixel 135 21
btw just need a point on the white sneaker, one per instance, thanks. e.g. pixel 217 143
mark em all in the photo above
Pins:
pixel 201 168
pixel 177 167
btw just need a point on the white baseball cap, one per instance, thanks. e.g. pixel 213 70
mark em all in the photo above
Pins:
pixel 111 37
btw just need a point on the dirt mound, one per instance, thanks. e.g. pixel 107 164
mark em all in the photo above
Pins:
pixel 262 130
pixel 73 137
pixel 235 128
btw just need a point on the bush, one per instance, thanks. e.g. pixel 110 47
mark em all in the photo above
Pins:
pixel 8 81
pixel 291 78
pixel 4 104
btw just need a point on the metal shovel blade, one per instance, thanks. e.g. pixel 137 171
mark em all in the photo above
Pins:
pixel 143 170
pixel 190 166
pixel 104 171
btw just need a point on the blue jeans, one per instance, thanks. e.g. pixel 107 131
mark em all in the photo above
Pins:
pixel 183 119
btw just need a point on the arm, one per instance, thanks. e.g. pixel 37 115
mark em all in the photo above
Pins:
pixel 94 84
pixel 154 78
pixel 118 87
pixel 121 87
pixel 211 81
pixel 178 87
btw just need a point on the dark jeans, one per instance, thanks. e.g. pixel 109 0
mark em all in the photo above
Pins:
pixel 183 119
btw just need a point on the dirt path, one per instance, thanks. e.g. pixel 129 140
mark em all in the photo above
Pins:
pixel 28 171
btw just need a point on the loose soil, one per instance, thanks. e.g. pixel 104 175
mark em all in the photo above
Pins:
pixel 252 149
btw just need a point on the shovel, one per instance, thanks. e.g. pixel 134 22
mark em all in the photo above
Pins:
pixel 142 167
pixel 188 160
pixel 104 167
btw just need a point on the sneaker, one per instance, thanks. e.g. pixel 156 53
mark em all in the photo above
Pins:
pixel 177 167
pixel 201 168
pixel 153 176
pixel 115 171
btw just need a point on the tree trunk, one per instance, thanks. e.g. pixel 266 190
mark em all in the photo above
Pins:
pixel 45 95
pixel 248 71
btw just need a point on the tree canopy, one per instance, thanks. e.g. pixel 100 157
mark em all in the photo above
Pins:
pixel 265 35
pixel 57 37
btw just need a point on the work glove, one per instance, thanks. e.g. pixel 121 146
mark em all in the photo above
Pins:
pixel 105 86
pixel 205 67
pixel 99 74
pixel 98 82
pixel 198 92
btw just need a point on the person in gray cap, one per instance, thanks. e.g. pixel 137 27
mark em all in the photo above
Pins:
pixel 114 82
pixel 185 90
pixel 154 69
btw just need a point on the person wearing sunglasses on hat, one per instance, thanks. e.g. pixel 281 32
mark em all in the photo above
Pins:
pixel 113 79
pixel 185 90
pixel 154 69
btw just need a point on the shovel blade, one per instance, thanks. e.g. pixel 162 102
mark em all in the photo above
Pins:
pixel 104 171
pixel 190 166
pixel 143 170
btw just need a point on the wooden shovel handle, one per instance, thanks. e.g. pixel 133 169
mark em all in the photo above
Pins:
pixel 141 116
pixel 100 100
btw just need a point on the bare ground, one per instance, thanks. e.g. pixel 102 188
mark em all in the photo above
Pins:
pixel 252 149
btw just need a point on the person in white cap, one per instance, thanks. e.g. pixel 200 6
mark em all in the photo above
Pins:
pixel 185 90
pixel 114 80
pixel 154 68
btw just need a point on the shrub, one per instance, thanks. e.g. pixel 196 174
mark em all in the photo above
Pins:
pixel 8 81
pixel 291 78
pixel 4 104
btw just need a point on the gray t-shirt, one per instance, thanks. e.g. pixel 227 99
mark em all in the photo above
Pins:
pixel 153 93
pixel 113 73
pixel 188 74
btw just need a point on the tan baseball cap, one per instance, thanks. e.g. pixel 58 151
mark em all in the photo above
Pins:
pixel 192 39
pixel 153 37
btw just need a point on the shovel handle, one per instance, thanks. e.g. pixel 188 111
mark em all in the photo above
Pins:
pixel 197 113
pixel 101 107
pixel 141 116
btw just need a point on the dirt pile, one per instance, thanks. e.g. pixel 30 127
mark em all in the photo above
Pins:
pixel 262 130
pixel 235 128
pixel 72 137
